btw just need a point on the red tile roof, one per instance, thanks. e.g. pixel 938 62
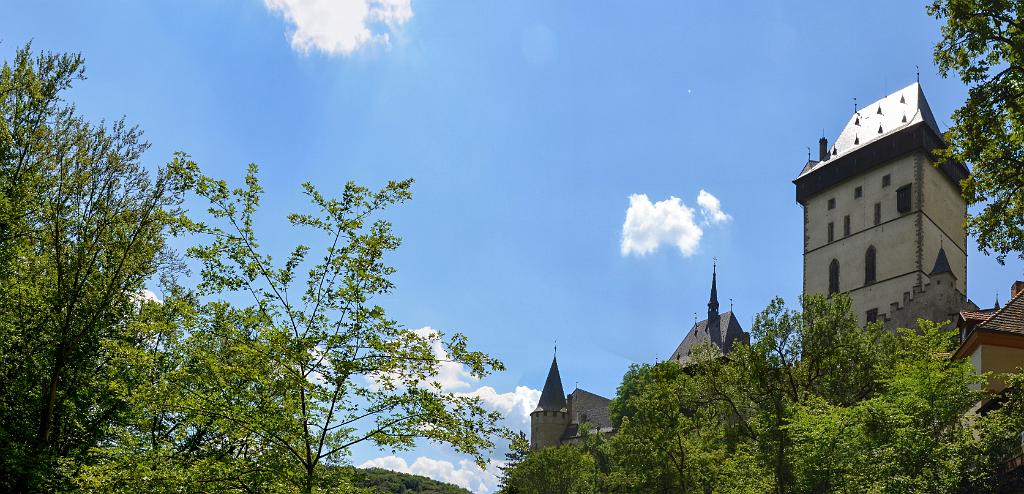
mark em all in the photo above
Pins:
pixel 1009 319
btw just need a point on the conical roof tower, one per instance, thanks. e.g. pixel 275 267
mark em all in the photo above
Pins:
pixel 552 398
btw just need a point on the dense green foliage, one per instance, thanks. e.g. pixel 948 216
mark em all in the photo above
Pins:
pixel 983 42
pixel 82 227
pixel 380 481
pixel 253 376
pixel 557 470
pixel 815 404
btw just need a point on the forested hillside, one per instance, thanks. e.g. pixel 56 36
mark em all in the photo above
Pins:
pixel 381 481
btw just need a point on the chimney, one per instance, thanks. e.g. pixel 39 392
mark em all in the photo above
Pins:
pixel 1017 287
pixel 823 149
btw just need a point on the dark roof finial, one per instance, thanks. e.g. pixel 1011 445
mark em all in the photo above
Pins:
pixel 918 73
pixel 997 301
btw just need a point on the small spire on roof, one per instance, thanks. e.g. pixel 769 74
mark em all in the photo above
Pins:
pixel 941 263
pixel 855 104
pixel 879 128
pixel 996 307
pixel 918 74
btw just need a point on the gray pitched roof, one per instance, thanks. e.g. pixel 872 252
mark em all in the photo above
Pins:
pixel 722 332
pixel 552 398
pixel 881 118
pixel 941 263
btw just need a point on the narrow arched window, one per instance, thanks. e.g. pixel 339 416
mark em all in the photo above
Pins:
pixel 869 265
pixel 833 277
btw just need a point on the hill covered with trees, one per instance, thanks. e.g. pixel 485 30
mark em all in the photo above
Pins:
pixel 381 481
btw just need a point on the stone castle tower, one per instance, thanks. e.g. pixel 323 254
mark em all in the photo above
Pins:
pixel 563 419
pixel 882 221
pixel 550 419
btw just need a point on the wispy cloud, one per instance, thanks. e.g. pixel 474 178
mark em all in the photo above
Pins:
pixel 711 208
pixel 649 225
pixel 466 474
pixel 340 27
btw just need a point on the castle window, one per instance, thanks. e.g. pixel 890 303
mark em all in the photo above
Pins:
pixel 872 315
pixel 885 180
pixel 846 226
pixel 869 266
pixel 903 199
pixel 832 203
pixel 833 277
pixel 831 231
pixel 859 191
pixel 878 213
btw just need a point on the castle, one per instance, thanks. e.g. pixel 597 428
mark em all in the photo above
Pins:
pixel 883 223
pixel 558 418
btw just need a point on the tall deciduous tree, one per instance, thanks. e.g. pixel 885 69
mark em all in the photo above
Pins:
pixel 282 367
pixel 82 226
pixel 983 43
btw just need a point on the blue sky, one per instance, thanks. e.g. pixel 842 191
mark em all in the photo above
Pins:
pixel 527 126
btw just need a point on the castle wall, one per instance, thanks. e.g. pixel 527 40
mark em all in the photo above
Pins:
pixel 906 244
pixel 945 210
pixel 547 428
pixel 937 300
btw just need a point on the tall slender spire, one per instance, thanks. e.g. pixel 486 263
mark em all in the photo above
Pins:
pixel 713 302
pixel 552 397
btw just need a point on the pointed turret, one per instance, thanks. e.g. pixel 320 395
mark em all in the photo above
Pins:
pixel 549 421
pixel 713 301
pixel 941 264
pixel 552 398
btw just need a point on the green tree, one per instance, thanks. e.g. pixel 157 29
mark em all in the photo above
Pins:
pixel 279 368
pixel 518 452
pixel 82 227
pixel 665 441
pixel 916 434
pixel 983 43
pixel 819 353
pixel 557 470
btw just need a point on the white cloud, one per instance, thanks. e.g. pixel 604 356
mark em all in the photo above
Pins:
pixel 456 378
pixel 450 375
pixel 340 27
pixel 711 208
pixel 467 474
pixel 515 405
pixel 149 296
pixel 648 225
